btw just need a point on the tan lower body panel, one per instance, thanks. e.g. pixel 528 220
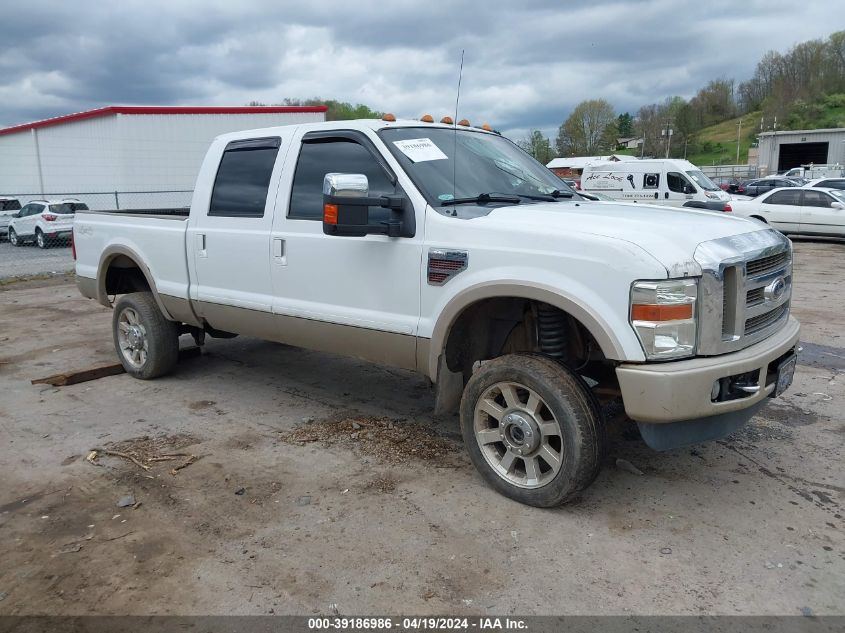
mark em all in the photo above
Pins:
pixel 386 348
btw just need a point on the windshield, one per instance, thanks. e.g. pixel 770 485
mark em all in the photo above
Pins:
pixel 838 193
pixel 486 164
pixel 702 181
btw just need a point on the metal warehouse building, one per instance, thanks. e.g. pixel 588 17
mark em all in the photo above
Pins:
pixel 784 150
pixel 94 154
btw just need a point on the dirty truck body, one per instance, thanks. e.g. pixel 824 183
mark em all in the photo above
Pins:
pixel 445 249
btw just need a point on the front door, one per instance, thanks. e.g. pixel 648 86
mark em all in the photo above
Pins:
pixel 820 216
pixel 353 295
pixel 679 189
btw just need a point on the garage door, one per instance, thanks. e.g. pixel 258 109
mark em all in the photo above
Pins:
pixel 797 154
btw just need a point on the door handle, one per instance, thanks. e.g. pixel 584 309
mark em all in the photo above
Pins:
pixel 279 251
pixel 201 250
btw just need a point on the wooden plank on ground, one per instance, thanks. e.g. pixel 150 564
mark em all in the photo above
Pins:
pixel 95 373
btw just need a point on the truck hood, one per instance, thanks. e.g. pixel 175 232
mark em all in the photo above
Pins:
pixel 669 234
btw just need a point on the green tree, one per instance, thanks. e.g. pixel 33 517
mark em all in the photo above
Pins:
pixel 625 125
pixel 537 146
pixel 590 128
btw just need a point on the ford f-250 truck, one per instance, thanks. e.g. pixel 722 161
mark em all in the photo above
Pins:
pixel 446 249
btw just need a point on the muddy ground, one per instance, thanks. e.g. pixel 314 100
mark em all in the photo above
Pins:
pixel 319 484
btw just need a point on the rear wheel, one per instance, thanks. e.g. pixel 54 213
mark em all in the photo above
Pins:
pixel 533 429
pixel 14 240
pixel 40 239
pixel 146 342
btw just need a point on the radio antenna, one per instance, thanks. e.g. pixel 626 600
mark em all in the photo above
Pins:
pixel 455 128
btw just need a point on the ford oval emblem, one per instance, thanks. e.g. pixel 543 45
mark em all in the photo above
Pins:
pixel 775 290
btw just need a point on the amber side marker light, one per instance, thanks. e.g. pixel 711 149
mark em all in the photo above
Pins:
pixel 330 213
pixel 387 116
pixel 652 312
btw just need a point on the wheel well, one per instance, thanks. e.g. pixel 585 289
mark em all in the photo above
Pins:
pixel 757 217
pixel 123 275
pixel 502 325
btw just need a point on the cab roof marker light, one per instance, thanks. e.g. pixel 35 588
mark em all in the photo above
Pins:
pixel 387 116
pixel 447 120
pixel 464 122
pixel 427 118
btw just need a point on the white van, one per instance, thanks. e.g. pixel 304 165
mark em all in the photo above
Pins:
pixel 676 183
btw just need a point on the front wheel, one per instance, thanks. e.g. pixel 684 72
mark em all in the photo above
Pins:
pixel 14 240
pixel 146 342
pixel 532 429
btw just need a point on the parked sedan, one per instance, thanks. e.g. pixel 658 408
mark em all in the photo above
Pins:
pixel 8 208
pixel 44 222
pixel 808 211
pixel 762 185
pixel 827 183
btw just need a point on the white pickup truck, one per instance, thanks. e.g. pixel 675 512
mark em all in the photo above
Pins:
pixel 446 249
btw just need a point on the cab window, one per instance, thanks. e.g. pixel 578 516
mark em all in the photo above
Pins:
pixel 335 155
pixel 678 183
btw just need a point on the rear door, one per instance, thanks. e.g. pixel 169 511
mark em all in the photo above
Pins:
pixel 782 208
pixel 352 295
pixel 26 225
pixel 818 216
pixel 228 236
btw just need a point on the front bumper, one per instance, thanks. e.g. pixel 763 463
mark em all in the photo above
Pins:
pixel 662 393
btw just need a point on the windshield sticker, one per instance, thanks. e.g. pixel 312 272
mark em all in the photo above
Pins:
pixel 420 150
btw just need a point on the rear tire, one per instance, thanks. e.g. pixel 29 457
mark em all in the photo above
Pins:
pixel 533 429
pixel 40 239
pixel 14 240
pixel 147 344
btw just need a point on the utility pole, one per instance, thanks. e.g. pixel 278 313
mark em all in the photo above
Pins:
pixel 738 132
pixel 668 134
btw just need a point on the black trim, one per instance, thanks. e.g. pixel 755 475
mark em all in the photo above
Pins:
pixel 355 136
pixel 270 142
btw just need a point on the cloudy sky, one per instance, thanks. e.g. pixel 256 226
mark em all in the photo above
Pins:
pixel 528 62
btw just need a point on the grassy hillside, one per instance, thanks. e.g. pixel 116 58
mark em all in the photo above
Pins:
pixel 716 145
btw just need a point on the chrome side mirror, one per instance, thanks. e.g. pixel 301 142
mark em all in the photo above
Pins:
pixel 346 185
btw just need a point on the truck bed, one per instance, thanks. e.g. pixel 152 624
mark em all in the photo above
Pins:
pixel 155 237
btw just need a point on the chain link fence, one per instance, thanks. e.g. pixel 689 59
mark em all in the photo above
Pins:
pixel 111 200
pixel 52 230
pixel 736 173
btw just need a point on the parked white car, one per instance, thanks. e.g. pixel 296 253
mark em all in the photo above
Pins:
pixel 8 208
pixel 827 183
pixel 809 211
pixel 44 222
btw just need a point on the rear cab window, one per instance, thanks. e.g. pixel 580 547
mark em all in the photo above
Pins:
pixel 243 178
pixel 10 205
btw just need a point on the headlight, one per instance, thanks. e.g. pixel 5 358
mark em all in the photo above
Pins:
pixel 663 314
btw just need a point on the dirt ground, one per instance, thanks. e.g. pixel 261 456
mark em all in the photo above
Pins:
pixel 319 484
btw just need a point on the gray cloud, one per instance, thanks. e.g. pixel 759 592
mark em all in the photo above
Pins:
pixel 527 63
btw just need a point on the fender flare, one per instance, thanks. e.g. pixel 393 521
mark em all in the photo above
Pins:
pixel 601 331
pixel 110 253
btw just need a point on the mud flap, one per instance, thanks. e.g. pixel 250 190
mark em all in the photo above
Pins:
pixel 664 437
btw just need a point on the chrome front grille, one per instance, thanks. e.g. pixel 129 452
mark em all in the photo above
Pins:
pixel 762 321
pixel 764 265
pixel 745 290
pixel 754 297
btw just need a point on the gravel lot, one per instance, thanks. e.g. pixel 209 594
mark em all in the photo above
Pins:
pixel 30 260
pixel 308 492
